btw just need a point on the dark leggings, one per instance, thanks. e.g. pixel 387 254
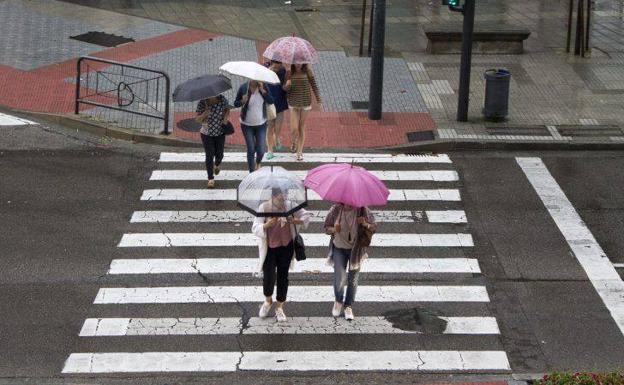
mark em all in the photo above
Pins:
pixel 277 258
pixel 213 146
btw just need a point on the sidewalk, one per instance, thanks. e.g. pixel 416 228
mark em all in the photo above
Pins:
pixel 555 97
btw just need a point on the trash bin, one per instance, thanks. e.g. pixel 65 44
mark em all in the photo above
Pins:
pixel 496 94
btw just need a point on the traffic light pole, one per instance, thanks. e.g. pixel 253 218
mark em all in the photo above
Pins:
pixel 377 60
pixel 466 56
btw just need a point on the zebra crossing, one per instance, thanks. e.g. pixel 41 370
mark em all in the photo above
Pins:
pixel 184 271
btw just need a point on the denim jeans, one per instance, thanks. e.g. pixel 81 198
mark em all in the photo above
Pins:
pixel 255 138
pixel 213 146
pixel 279 259
pixel 342 277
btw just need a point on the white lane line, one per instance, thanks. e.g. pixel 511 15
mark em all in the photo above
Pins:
pixel 107 327
pixel 10 120
pixel 188 157
pixel 317 216
pixel 229 294
pixel 312 240
pixel 311 265
pixel 618 265
pixel 588 252
pixel 424 360
pixel 433 175
pixel 174 194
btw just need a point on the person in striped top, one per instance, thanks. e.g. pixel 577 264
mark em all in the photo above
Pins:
pixel 300 85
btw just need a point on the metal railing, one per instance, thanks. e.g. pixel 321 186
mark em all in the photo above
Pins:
pixel 124 88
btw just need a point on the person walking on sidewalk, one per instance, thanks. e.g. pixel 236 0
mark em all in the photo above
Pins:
pixel 348 227
pixel 253 97
pixel 276 250
pixel 278 93
pixel 212 113
pixel 300 85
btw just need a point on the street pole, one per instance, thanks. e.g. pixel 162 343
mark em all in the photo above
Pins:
pixel 362 27
pixel 569 36
pixel 377 60
pixel 370 28
pixel 466 55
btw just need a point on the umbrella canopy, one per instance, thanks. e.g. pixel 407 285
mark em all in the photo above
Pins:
pixel 201 88
pixel 266 183
pixel 291 50
pixel 250 70
pixel 348 184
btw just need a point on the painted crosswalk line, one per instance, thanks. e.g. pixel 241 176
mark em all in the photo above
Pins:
pixel 198 157
pixel 106 327
pixel 581 241
pixel 424 360
pixel 237 175
pixel 232 294
pixel 174 194
pixel 310 265
pixel 317 216
pixel 312 240
pixel 10 120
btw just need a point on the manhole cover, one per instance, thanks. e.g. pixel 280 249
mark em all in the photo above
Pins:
pixel 595 130
pixel 419 136
pixel 189 125
pixel 359 105
pixel 102 38
pixel 417 320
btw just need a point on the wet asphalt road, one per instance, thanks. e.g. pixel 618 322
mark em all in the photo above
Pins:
pixel 65 202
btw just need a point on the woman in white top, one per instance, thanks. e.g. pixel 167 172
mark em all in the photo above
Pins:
pixel 253 97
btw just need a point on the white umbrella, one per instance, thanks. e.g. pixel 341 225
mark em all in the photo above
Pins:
pixel 250 70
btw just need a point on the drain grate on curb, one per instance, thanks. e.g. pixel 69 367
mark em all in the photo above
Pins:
pixel 189 125
pixel 102 38
pixel 593 130
pixel 420 136
pixel 359 105
pixel 537 130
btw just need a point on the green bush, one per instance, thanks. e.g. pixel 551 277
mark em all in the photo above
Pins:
pixel 560 378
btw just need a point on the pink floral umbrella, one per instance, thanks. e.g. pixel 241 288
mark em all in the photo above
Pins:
pixel 291 50
pixel 348 184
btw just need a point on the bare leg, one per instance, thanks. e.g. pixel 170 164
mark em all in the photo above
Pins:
pixel 302 128
pixel 270 135
pixel 277 127
pixel 294 127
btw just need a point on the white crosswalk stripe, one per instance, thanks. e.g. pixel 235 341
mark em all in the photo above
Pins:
pixel 311 240
pixel 105 327
pixel 241 157
pixel 434 176
pixel 225 216
pixel 175 194
pixel 177 252
pixel 316 265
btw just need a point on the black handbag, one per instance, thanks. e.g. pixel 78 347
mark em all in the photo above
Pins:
pixel 299 246
pixel 228 128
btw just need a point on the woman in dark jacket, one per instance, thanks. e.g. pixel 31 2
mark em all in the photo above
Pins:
pixel 274 127
pixel 212 113
pixel 253 97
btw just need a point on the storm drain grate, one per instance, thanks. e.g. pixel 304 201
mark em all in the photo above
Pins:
pixel 359 105
pixel 419 136
pixel 102 38
pixel 189 125
pixel 518 130
pixel 596 130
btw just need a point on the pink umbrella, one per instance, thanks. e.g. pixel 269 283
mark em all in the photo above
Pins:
pixel 291 50
pixel 348 184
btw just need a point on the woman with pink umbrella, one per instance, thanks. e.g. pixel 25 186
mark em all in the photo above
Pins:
pixel 300 83
pixel 349 222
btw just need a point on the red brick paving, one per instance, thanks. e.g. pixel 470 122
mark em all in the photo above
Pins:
pixel 44 89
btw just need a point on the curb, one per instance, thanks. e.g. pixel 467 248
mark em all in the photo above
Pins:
pixel 77 123
pixel 448 145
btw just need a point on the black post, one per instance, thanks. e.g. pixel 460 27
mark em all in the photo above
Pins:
pixel 569 36
pixel 588 27
pixel 579 33
pixel 362 27
pixel 377 60
pixel 466 56
pixel 77 101
pixel 370 28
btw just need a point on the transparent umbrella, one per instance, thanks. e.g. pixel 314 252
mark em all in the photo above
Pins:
pixel 268 183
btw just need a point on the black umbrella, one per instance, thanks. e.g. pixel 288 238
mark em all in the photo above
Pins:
pixel 201 88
